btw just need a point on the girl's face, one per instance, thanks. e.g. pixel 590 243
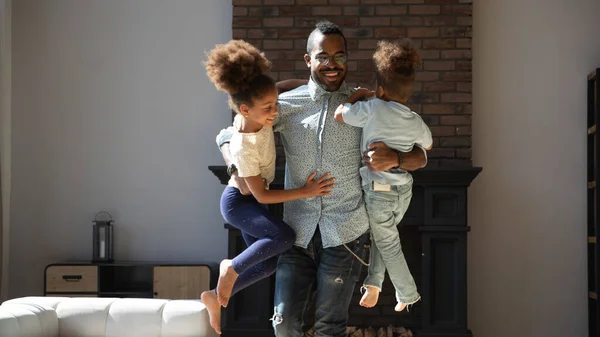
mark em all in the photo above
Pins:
pixel 263 110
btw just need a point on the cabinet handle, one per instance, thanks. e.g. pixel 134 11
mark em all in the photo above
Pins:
pixel 72 278
pixel 155 293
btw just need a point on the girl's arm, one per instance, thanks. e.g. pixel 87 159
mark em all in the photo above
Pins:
pixel 313 188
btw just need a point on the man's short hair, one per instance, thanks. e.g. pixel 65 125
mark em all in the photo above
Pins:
pixel 324 28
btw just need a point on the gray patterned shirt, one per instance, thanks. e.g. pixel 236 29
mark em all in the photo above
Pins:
pixel 314 141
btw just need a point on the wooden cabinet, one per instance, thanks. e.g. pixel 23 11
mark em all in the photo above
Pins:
pixel 129 279
pixel 180 282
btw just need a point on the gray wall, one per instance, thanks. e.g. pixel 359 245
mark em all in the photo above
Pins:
pixel 5 79
pixel 112 110
pixel 527 249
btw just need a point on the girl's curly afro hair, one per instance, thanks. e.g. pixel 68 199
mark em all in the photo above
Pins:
pixel 239 69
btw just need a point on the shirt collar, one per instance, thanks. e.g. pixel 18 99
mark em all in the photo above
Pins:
pixel 316 91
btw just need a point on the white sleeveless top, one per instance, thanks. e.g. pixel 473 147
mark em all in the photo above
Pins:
pixel 253 153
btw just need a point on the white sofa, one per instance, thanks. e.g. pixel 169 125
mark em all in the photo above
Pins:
pixel 103 317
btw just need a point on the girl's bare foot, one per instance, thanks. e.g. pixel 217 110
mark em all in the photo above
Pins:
pixel 209 298
pixel 401 306
pixel 370 296
pixel 227 277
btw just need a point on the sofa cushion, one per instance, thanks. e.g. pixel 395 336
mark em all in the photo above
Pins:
pixel 80 317
pixel 182 318
pixel 135 317
pixel 31 319
pixel 9 324
pixel 49 302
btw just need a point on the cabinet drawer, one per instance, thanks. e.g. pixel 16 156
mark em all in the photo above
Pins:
pixel 72 279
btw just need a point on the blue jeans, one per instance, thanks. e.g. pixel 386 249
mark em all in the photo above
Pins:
pixel 265 235
pixel 326 276
pixel 385 210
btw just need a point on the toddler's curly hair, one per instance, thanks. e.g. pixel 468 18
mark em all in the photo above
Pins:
pixel 396 63
pixel 239 69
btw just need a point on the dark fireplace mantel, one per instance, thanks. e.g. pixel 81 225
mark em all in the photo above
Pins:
pixel 428 176
pixel 434 239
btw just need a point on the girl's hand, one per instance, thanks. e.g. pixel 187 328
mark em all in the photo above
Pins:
pixel 318 187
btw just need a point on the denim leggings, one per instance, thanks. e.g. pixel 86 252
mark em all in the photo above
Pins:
pixel 265 235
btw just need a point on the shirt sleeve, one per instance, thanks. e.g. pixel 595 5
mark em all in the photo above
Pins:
pixel 356 114
pixel 425 139
pixel 284 110
pixel 224 136
pixel 246 159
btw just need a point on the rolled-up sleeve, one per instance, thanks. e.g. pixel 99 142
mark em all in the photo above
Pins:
pixel 425 139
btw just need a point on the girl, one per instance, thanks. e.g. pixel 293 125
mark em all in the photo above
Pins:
pixel 240 69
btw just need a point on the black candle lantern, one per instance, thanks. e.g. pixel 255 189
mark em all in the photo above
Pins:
pixel 103 239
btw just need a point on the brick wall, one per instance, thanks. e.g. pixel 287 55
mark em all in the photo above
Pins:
pixel 440 28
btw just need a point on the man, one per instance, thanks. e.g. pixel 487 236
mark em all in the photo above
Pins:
pixel 325 262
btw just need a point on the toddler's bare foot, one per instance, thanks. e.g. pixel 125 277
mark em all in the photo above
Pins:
pixel 209 298
pixel 370 296
pixel 227 277
pixel 401 306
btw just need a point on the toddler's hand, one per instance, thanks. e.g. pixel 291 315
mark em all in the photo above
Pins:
pixel 362 93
